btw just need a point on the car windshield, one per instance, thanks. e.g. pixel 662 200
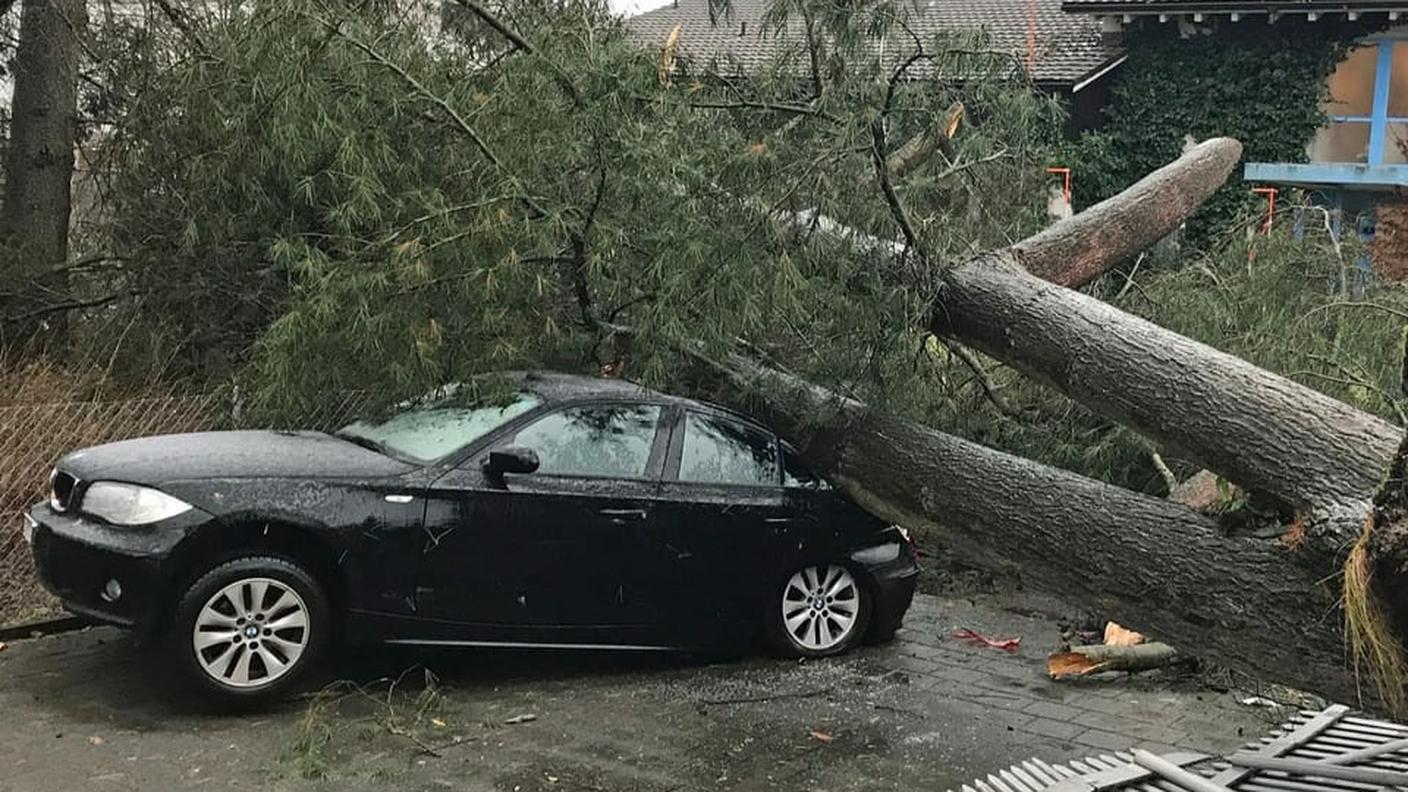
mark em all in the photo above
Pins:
pixel 428 433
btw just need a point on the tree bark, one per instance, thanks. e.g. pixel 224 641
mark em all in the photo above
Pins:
pixel 1269 434
pixel 1274 437
pixel 1082 247
pixel 34 220
pixel 1243 602
pixel 1099 658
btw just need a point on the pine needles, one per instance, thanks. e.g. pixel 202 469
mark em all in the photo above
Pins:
pixel 1374 649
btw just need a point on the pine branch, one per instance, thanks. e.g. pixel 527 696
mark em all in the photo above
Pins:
pixel 458 120
pixel 493 21
pixel 748 104
pixel 521 44
pixel 70 305
pixel 981 374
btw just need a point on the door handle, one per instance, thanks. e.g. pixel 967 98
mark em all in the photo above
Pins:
pixel 620 516
pixel 779 520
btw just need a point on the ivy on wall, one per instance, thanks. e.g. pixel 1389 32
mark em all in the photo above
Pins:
pixel 1262 84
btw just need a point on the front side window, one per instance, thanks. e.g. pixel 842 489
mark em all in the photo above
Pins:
pixel 429 433
pixel 720 451
pixel 612 440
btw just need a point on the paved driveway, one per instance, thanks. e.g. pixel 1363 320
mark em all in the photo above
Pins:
pixel 88 711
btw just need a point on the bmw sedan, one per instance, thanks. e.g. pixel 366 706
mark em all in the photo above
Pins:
pixel 575 513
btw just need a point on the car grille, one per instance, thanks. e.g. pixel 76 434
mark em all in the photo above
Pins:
pixel 61 488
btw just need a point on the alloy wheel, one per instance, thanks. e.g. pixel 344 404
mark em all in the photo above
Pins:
pixel 820 606
pixel 251 632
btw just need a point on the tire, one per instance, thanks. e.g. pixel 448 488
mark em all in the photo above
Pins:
pixel 817 611
pixel 272 642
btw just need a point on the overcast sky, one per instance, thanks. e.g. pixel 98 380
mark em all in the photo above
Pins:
pixel 633 7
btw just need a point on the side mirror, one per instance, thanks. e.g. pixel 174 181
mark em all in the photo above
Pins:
pixel 511 459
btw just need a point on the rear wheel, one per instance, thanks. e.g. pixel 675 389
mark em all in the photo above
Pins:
pixel 819 610
pixel 248 629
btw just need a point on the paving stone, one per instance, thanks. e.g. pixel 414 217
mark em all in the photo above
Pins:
pixel 925 652
pixel 1104 740
pixel 915 665
pixel 1011 692
pixel 1109 721
pixel 963 676
pixel 1124 706
pixel 1061 712
pixel 1053 728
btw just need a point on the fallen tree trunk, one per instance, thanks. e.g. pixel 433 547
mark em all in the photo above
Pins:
pixel 1141 560
pixel 1241 600
pixel 1269 434
pixel 1276 438
pixel 1252 604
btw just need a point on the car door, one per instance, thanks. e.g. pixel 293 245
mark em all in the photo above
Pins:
pixel 724 526
pixel 544 556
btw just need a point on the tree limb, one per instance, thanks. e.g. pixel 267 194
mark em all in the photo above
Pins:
pixel 448 109
pixel 182 23
pixel 984 379
pixel 492 20
pixel 1080 248
pixel 521 44
pixel 71 305
pixel 882 167
pixel 813 52
pixel 747 104
pixel 918 149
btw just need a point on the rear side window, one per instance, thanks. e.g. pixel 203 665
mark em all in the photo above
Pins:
pixel 612 440
pixel 720 451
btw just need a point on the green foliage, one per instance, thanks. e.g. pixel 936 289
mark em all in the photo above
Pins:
pixel 323 198
pixel 1300 309
pixel 1262 84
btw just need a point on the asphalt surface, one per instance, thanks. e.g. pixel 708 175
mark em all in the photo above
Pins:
pixel 87 710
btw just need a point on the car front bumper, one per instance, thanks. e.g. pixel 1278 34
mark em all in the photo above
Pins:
pixel 78 558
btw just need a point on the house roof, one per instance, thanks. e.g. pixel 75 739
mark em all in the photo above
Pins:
pixel 1230 6
pixel 1067 48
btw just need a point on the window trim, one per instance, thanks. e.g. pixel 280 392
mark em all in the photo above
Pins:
pixel 653 464
pixel 671 474
pixel 1378 119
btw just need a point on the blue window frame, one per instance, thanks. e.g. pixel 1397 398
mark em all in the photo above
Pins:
pixel 1378 118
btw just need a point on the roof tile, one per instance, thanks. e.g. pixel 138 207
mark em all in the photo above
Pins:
pixel 1067 47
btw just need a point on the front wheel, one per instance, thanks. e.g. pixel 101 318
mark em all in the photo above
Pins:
pixel 819 611
pixel 249 628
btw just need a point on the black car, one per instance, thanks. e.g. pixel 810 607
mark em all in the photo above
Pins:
pixel 574 513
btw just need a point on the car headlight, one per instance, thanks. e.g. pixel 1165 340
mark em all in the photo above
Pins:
pixel 130 504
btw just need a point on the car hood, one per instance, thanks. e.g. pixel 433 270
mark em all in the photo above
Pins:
pixel 229 455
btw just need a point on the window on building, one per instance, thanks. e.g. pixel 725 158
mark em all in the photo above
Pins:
pixel 1368 107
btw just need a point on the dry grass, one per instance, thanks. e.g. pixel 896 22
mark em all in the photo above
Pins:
pixel 1374 649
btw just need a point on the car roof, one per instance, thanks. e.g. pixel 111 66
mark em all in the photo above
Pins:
pixel 555 387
